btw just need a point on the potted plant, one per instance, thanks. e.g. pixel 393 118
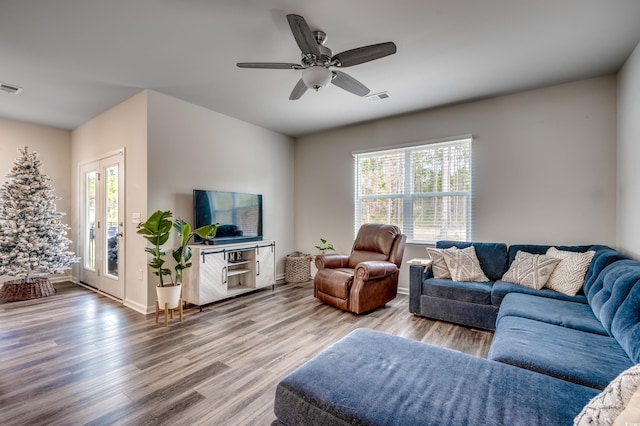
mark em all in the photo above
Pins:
pixel 324 246
pixel 157 230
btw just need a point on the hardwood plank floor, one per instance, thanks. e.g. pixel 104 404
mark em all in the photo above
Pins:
pixel 80 358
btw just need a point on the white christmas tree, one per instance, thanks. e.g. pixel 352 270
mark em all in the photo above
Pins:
pixel 32 235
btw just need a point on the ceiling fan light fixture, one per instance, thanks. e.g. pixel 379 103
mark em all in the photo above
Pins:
pixel 316 77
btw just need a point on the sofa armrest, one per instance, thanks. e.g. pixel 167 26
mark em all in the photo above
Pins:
pixel 331 261
pixel 374 269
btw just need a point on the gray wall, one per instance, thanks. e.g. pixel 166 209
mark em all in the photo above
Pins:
pixel 190 147
pixel 628 224
pixel 544 167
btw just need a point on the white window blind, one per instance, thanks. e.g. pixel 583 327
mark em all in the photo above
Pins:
pixel 423 189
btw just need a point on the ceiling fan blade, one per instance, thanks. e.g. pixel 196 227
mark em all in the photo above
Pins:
pixel 303 35
pixel 269 65
pixel 364 54
pixel 350 84
pixel 298 90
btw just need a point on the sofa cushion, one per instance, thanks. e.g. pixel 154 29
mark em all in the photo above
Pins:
pixel 463 265
pixel 588 359
pixel 553 311
pixel 471 292
pixel 530 270
pixel 609 404
pixel 603 257
pixel 626 323
pixel 438 264
pixel 372 378
pixel 501 288
pixel 492 256
pixel 541 249
pixel 568 276
pixel 610 289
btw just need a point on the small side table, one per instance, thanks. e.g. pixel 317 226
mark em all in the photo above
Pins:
pixel 420 262
pixel 168 313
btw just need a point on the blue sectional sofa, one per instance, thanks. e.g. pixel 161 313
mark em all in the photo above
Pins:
pixel 551 353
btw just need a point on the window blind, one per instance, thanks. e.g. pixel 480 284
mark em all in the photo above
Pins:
pixel 424 189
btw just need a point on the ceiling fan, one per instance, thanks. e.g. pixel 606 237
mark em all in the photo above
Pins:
pixel 318 59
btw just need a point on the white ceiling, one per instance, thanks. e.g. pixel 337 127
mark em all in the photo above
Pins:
pixel 77 58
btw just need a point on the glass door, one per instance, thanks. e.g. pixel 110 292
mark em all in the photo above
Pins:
pixel 102 224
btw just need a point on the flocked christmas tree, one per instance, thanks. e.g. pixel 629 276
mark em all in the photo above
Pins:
pixel 33 238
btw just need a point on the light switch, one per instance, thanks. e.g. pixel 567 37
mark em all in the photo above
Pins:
pixel 135 217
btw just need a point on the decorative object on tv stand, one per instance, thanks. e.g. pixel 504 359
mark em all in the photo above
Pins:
pixel 157 230
pixel 33 240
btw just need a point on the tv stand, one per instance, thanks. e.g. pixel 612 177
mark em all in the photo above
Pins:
pixel 223 271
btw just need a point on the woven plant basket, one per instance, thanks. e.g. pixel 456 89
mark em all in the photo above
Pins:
pixel 297 267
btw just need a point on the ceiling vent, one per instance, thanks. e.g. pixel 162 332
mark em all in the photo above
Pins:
pixel 10 88
pixel 379 96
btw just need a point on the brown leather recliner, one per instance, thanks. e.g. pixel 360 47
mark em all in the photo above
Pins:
pixel 366 279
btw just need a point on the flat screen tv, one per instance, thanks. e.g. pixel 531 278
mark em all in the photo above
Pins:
pixel 238 215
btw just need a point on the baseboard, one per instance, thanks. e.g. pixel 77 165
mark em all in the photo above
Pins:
pixel 138 307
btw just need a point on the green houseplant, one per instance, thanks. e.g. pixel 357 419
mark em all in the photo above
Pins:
pixel 157 230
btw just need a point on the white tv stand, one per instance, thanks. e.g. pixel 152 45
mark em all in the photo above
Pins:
pixel 223 271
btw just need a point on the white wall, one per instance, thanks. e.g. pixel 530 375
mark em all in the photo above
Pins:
pixel 191 147
pixel 123 126
pixel 544 167
pixel 628 223
pixel 53 147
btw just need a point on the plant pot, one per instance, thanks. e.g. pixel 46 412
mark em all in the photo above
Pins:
pixel 169 295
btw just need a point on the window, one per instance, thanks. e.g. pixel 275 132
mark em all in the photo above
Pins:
pixel 423 189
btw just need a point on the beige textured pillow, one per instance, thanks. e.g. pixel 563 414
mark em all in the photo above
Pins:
pixel 631 413
pixel 605 407
pixel 530 270
pixel 463 265
pixel 568 277
pixel 438 264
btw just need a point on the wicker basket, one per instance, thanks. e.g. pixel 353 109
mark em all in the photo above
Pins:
pixel 297 267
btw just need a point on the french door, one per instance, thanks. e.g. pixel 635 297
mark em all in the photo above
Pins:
pixel 102 224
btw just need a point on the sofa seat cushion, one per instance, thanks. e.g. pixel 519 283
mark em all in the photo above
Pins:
pixel 334 282
pixel 501 288
pixel 470 292
pixel 584 358
pixel 372 378
pixel 564 313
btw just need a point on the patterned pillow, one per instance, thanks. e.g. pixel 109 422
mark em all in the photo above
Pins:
pixel 608 404
pixel 530 270
pixel 463 264
pixel 438 264
pixel 568 277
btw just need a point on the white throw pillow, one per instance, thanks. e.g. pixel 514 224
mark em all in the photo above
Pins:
pixel 605 407
pixel 438 264
pixel 463 265
pixel 530 270
pixel 568 277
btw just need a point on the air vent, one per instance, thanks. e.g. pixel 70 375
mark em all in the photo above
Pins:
pixel 378 96
pixel 10 88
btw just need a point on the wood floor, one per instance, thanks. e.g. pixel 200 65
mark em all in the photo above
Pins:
pixel 80 358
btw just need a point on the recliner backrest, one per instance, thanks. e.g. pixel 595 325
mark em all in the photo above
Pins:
pixel 374 242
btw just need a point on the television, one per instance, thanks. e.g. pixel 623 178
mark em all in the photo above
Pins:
pixel 238 215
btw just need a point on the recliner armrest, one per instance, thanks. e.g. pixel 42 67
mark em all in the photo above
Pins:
pixel 331 261
pixel 374 269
